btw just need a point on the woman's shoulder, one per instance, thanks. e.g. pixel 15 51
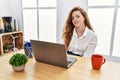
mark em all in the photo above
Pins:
pixel 92 33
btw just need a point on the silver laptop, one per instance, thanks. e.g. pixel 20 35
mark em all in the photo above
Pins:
pixel 51 53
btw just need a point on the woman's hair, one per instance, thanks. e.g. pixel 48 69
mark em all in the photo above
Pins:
pixel 69 27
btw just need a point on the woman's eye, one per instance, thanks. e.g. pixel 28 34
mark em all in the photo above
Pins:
pixel 77 16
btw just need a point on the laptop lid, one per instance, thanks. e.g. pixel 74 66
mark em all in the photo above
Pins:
pixel 51 53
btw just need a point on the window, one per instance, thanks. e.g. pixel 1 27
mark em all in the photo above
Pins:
pixel 116 47
pixel 39 18
pixel 100 2
pixel 29 3
pixel 47 3
pixel 105 18
pixel 98 19
pixel 119 2
pixel 47 31
pixel 30 23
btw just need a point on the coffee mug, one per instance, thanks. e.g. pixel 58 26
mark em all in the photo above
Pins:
pixel 97 61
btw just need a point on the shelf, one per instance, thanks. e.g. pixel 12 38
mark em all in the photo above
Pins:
pixel 14 40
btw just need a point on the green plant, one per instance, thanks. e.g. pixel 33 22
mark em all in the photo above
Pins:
pixel 5 47
pixel 18 59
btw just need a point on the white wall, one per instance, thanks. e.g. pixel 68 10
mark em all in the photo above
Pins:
pixel 63 8
pixel 12 8
pixel 16 11
pixel 4 5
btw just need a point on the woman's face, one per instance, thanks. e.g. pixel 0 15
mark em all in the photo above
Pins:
pixel 77 19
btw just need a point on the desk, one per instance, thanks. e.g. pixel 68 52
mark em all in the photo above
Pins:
pixel 80 70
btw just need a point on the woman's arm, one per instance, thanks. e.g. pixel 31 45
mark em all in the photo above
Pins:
pixel 91 46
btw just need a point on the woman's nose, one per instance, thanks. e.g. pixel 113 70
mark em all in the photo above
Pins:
pixel 75 19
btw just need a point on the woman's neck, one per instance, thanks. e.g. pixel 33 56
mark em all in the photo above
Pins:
pixel 80 30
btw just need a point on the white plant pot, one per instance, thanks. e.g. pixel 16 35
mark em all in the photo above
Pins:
pixel 18 68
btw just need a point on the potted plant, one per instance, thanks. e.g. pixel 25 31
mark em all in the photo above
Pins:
pixel 18 61
pixel 5 48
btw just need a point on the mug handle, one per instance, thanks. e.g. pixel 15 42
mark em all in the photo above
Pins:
pixel 104 60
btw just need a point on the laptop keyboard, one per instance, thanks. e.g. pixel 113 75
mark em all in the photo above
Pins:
pixel 68 62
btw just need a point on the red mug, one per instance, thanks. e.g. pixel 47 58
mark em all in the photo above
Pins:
pixel 97 61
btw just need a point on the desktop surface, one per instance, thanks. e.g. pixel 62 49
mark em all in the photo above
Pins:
pixel 80 70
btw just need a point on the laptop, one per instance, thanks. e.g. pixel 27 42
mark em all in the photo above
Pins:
pixel 51 53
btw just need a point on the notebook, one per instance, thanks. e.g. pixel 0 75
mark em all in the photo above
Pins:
pixel 51 53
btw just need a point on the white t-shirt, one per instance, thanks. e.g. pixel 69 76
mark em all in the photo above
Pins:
pixel 85 44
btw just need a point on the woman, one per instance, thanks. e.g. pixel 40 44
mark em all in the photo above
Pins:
pixel 78 34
